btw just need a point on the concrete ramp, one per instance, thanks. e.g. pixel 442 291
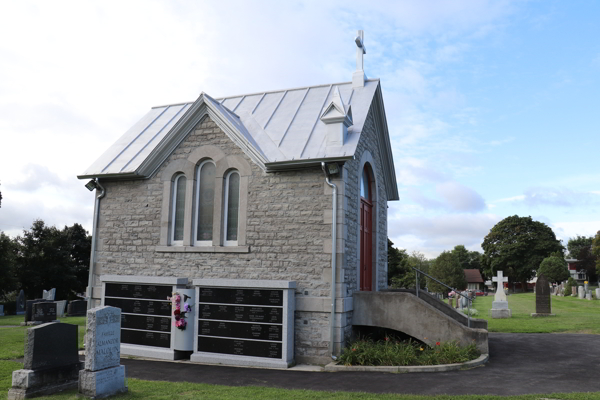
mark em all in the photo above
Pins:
pixel 404 312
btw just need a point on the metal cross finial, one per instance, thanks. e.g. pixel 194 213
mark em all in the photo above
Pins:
pixel 360 50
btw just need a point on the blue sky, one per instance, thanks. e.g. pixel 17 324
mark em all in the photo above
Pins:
pixel 491 105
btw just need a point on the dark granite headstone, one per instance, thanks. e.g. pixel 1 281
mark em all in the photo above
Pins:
pixel 77 308
pixel 44 312
pixel 51 345
pixel 21 303
pixel 29 308
pixel 51 361
pixel 542 296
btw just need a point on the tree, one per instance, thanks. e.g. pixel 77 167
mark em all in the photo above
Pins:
pixel 580 248
pixel 596 251
pixel 554 269
pixel 8 253
pixel 447 269
pixel 52 258
pixel 397 263
pixel 517 246
pixel 468 259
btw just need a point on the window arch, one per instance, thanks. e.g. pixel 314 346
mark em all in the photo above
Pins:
pixel 231 209
pixel 205 198
pixel 367 243
pixel 178 210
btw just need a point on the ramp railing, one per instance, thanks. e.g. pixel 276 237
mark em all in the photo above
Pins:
pixel 418 271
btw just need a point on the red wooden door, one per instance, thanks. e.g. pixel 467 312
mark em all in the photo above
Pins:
pixel 366 241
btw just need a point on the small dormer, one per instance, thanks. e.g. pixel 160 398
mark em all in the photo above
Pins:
pixel 338 117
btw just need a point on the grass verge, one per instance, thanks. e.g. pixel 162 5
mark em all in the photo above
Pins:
pixel 573 315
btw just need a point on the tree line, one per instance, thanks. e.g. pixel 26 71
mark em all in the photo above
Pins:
pixel 519 246
pixel 45 257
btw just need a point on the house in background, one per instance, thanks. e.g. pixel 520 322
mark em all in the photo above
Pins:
pixel 581 275
pixel 474 279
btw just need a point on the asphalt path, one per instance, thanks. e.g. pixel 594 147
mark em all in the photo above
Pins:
pixel 520 363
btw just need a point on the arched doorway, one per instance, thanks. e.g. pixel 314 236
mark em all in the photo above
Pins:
pixel 366 230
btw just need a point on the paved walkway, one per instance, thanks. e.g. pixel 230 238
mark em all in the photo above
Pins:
pixel 520 363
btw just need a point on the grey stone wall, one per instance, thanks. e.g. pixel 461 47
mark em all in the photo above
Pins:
pixel 288 233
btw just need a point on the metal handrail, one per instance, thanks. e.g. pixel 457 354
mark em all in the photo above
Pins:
pixel 417 271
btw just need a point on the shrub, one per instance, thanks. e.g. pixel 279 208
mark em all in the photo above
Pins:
pixel 390 352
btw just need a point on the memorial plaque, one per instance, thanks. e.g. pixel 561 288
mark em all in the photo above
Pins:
pixel 146 338
pixel 240 330
pixel 44 312
pixel 259 297
pixel 542 296
pixel 29 308
pixel 252 348
pixel 241 313
pixel 134 306
pixel 135 291
pixel 77 308
pixel 161 324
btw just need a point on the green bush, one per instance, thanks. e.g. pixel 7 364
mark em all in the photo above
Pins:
pixel 391 352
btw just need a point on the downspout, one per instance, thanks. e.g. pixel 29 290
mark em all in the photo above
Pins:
pixel 333 259
pixel 94 234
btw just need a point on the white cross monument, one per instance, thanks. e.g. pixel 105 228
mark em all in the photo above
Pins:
pixel 500 304
pixel 358 78
pixel 500 295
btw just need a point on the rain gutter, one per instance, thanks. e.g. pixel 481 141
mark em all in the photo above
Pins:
pixel 94 235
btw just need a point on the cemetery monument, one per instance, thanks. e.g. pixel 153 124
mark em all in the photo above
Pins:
pixel 543 303
pixel 21 303
pixel 500 304
pixel 51 362
pixel 103 375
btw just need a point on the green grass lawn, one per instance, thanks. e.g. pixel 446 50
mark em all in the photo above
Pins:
pixel 12 347
pixel 573 315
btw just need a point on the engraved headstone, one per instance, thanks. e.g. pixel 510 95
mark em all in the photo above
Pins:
pixel 573 290
pixel 77 308
pixel 588 295
pixel 543 305
pixel 29 309
pixel 597 293
pixel 103 376
pixel 44 312
pixel 51 361
pixel 21 303
pixel 49 294
pixel 581 292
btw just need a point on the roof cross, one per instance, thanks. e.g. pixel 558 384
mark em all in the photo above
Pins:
pixel 358 77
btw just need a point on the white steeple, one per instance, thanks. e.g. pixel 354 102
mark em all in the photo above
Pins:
pixel 359 77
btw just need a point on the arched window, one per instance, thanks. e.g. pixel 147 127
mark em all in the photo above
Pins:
pixel 366 230
pixel 232 206
pixel 178 210
pixel 205 196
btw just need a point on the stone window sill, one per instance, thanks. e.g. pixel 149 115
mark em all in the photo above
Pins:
pixel 203 249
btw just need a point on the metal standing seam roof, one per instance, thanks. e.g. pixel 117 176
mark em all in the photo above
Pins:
pixel 281 126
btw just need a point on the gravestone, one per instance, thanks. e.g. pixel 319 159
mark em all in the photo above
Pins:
pixel 29 309
pixel 581 292
pixel 21 303
pixel 49 294
pixel 61 306
pixel 585 287
pixel 573 291
pixel 51 361
pixel 77 308
pixel 103 375
pixel 500 304
pixel 1 311
pixel 588 295
pixel 543 306
pixel 44 312
pixel 597 293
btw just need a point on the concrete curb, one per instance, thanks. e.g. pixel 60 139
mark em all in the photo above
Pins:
pixel 482 359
